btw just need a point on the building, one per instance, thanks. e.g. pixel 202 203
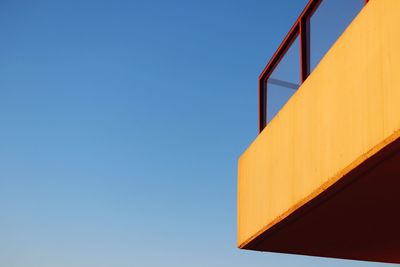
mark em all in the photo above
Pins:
pixel 323 176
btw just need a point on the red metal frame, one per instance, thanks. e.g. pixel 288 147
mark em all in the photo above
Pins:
pixel 300 28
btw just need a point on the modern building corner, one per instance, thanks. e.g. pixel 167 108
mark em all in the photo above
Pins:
pixel 323 177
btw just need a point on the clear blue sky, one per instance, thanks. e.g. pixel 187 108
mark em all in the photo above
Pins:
pixel 121 126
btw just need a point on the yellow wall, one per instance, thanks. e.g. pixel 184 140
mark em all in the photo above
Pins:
pixel 346 110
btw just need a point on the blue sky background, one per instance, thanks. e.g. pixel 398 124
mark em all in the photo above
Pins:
pixel 121 126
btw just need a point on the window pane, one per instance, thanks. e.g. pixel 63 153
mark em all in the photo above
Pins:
pixel 284 80
pixel 327 23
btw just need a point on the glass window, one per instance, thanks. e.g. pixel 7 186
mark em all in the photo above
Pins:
pixel 329 22
pixel 284 80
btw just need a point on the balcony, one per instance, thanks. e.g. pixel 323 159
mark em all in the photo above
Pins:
pixel 323 176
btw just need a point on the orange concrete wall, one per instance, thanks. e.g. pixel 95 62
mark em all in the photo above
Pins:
pixel 346 110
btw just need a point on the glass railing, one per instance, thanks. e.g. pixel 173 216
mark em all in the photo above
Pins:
pixel 313 34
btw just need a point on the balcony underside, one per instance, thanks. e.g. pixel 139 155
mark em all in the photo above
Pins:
pixel 356 218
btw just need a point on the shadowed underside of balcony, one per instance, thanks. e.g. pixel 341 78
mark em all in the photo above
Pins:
pixel 358 217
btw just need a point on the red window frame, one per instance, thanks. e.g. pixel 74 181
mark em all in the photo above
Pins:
pixel 300 28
